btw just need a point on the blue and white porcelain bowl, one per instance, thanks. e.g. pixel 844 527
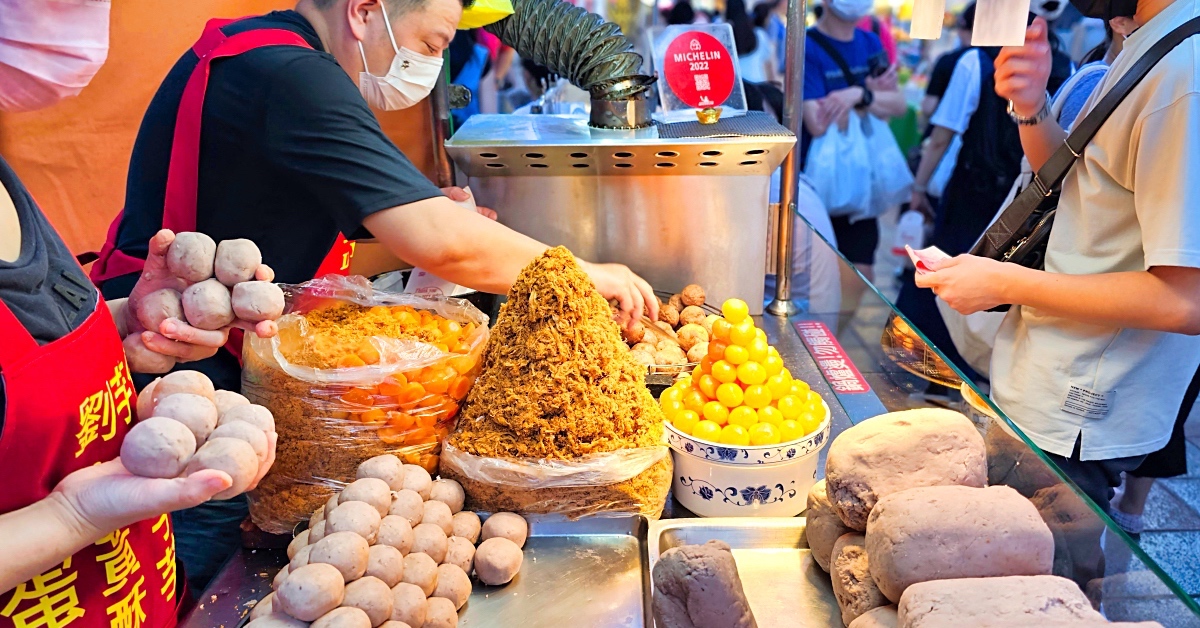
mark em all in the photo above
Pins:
pixel 714 480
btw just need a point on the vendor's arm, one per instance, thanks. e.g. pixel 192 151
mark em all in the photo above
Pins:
pixel 483 254
pixel 1022 74
pixel 329 143
pixel 84 507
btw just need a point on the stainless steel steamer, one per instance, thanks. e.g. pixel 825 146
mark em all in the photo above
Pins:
pixel 678 203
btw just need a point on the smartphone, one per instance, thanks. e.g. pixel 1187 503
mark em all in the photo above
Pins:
pixel 877 66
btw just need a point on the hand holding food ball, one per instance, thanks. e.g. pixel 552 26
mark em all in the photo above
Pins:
pixel 107 496
pixel 156 447
pixel 155 319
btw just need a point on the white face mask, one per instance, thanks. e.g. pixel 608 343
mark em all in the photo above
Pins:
pixel 49 50
pixel 851 10
pixel 409 80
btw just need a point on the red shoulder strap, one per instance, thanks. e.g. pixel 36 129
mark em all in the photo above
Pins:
pixel 179 205
pixel 17 339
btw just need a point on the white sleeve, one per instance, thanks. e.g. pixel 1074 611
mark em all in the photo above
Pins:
pixel 962 94
pixel 1165 193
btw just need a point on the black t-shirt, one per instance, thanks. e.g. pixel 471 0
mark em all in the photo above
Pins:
pixel 290 156
pixel 943 69
pixel 45 288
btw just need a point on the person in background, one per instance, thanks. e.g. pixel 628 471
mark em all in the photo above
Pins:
pixel 987 164
pixel 756 59
pixel 776 25
pixel 883 30
pixel 846 69
pixel 943 67
pixel 939 81
pixel 500 55
pixel 680 13
pixel 990 158
pixel 469 63
pixel 537 78
pixel 1096 356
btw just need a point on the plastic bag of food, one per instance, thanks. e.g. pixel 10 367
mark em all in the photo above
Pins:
pixel 355 373
pixel 560 419
pixel 626 480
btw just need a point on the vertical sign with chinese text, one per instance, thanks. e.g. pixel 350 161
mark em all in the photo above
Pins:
pixel 837 368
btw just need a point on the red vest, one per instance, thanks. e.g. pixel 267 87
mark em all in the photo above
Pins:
pixel 68 406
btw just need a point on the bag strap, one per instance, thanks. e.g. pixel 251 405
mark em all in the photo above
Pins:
pixel 1051 174
pixel 822 40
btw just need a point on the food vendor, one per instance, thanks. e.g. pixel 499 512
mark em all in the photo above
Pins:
pixel 74 524
pixel 292 157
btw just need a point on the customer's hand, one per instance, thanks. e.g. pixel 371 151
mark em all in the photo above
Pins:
pixel 887 82
pixel 616 281
pixel 920 203
pixel 837 105
pixel 968 283
pixel 101 498
pixel 1022 72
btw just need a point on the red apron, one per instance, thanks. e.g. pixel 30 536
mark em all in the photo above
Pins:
pixel 179 205
pixel 64 413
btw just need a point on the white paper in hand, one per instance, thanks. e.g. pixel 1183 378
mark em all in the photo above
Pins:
pixel 927 17
pixel 921 259
pixel 1000 23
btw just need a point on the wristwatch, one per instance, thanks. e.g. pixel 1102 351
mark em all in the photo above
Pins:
pixel 868 97
pixel 1033 120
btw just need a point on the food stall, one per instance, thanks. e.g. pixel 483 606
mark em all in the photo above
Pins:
pixel 685 206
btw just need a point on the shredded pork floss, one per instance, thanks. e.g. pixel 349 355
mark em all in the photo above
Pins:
pixel 557 379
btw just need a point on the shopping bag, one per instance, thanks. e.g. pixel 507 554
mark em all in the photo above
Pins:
pixel 839 166
pixel 484 12
pixel 891 180
pixel 974 335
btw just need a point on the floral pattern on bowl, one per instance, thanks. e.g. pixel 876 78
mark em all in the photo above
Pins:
pixel 748 455
pixel 742 497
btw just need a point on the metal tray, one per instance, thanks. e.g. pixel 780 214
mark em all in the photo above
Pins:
pixel 587 572
pixel 784 585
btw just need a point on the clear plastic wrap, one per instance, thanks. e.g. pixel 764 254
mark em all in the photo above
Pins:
pixel 634 480
pixel 388 395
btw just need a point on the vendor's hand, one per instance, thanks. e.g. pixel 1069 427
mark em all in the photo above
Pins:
pixel 460 195
pixel 272 441
pixel 174 337
pixel 616 281
pixel 968 283
pixel 920 203
pixel 1022 72
pixel 101 498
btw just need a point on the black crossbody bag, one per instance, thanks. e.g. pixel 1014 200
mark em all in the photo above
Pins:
pixel 1019 235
